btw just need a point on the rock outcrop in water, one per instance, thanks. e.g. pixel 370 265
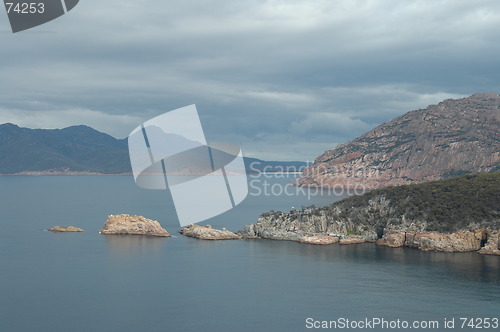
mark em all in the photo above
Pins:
pixel 125 224
pixel 452 138
pixel 208 233
pixel 65 229
pixel 454 215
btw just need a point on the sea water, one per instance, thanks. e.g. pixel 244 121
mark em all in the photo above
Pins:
pixel 91 282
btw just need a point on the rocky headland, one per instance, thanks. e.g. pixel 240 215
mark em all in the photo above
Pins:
pixel 454 215
pixel 125 224
pixel 451 138
pixel 208 233
pixel 65 229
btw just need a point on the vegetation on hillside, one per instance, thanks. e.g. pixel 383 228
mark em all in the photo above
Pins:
pixel 446 205
pixel 442 206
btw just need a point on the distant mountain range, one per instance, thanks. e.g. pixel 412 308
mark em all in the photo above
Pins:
pixel 82 149
pixel 451 138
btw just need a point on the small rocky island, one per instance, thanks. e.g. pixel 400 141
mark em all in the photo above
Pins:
pixel 125 224
pixel 208 233
pixel 65 229
pixel 454 215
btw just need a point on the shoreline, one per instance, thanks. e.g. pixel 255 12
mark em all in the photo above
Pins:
pixel 327 240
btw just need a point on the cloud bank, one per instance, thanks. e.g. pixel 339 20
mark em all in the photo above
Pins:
pixel 284 79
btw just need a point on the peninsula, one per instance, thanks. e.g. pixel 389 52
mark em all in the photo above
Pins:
pixel 453 215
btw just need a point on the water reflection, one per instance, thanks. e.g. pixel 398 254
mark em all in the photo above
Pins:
pixel 465 265
pixel 127 245
pixel 470 266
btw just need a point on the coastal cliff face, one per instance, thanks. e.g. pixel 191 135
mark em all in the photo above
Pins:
pixel 454 215
pixel 492 246
pixel 461 241
pixel 305 227
pixel 452 138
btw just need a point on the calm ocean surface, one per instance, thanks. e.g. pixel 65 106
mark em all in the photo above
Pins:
pixel 90 282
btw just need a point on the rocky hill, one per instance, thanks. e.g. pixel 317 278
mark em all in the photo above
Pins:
pixel 82 149
pixel 451 138
pixel 458 214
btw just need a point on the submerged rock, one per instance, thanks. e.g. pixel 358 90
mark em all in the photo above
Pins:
pixel 208 233
pixel 65 229
pixel 125 224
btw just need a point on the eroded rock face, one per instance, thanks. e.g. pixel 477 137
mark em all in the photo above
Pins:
pixel 393 240
pixel 65 229
pixel 125 224
pixel 453 215
pixel 462 241
pixel 208 233
pixel 308 226
pixel 454 137
pixel 492 246
pixel 301 224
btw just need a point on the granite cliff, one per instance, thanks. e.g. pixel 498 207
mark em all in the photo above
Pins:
pixel 451 138
pixel 454 215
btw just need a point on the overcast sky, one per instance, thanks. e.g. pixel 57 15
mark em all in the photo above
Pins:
pixel 284 79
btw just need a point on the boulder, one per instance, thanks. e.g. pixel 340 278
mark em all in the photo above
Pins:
pixel 393 240
pixel 352 240
pixel 319 239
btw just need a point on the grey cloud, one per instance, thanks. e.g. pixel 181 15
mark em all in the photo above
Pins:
pixel 270 75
